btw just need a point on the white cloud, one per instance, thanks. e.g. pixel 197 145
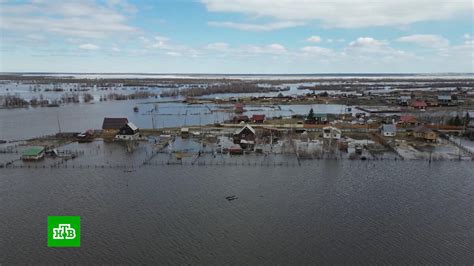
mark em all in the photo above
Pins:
pixel 83 19
pixel 255 27
pixel 173 53
pixel 89 46
pixel 218 46
pixel 317 51
pixel 273 49
pixel 168 47
pixel 425 40
pixel 347 13
pixel 314 39
pixel 370 47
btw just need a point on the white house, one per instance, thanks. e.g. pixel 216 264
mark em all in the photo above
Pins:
pixel 331 133
pixel 128 132
pixel 388 130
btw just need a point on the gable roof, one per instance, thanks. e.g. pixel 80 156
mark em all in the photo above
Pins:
pixel 407 118
pixel 389 128
pixel 422 129
pixel 33 151
pixel 132 126
pixel 114 123
pixel 242 129
pixel 419 103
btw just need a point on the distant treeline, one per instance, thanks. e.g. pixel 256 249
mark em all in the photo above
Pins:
pixel 233 87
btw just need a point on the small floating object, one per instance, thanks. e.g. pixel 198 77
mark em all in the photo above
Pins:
pixel 231 198
pixel 135 109
pixel 128 171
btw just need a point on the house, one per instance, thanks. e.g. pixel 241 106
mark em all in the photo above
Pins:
pixel 113 125
pixel 404 100
pixel 184 132
pixel 241 118
pixel 33 154
pixel 425 133
pixel 388 130
pixel 331 133
pixel 419 105
pixel 321 119
pixel 258 119
pixel 246 135
pixel 239 108
pixel 408 121
pixel 445 100
pixel 128 132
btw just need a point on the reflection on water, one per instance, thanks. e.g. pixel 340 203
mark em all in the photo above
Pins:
pixel 323 212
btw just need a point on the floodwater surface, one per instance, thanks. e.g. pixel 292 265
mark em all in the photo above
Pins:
pixel 339 212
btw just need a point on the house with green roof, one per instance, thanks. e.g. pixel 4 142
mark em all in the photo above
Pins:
pixel 33 154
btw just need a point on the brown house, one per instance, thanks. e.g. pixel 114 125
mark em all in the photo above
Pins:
pixel 113 125
pixel 424 133
pixel 258 119
pixel 245 135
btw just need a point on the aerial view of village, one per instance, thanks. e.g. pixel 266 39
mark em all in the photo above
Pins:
pixel 236 132
pixel 244 120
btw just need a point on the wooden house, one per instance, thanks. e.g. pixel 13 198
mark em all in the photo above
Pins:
pixel 425 133
pixel 113 125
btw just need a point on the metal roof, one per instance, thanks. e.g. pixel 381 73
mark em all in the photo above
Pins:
pixel 33 151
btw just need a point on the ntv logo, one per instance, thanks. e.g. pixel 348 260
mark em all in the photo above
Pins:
pixel 64 231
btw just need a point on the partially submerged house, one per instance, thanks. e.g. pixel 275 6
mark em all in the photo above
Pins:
pixel 408 121
pixel 128 132
pixel 404 100
pixel 113 125
pixel 422 132
pixel 419 105
pixel 258 119
pixel 240 118
pixel 388 130
pixel 185 132
pixel 245 136
pixel 445 100
pixel 33 154
pixel 331 133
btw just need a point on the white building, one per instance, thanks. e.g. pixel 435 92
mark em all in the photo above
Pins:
pixel 331 133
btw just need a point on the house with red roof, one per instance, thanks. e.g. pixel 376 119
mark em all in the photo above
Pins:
pixel 419 105
pixel 258 119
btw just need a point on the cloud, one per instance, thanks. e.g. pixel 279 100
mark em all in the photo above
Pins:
pixel 218 46
pixel 173 54
pixel 317 51
pixel 314 39
pixel 80 19
pixel 165 44
pixel 89 46
pixel 255 27
pixel 369 47
pixel 425 40
pixel 272 49
pixel 346 13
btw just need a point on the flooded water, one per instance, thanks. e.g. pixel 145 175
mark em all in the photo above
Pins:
pixel 351 212
pixel 22 123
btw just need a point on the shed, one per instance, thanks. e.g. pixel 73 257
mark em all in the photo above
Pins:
pixel 33 154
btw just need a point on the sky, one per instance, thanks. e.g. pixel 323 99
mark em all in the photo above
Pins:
pixel 237 36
